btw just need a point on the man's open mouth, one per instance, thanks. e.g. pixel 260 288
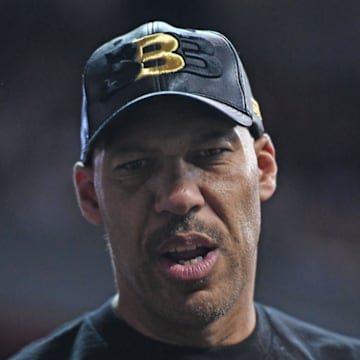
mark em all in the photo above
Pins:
pixel 187 254
pixel 188 257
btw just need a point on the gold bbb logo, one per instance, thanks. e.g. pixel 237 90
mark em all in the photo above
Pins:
pixel 166 45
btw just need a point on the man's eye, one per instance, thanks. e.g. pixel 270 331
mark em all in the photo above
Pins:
pixel 135 164
pixel 210 152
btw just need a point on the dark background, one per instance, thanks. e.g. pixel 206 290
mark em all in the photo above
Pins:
pixel 303 60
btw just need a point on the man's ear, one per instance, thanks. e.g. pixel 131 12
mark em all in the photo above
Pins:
pixel 85 193
pixel 265 153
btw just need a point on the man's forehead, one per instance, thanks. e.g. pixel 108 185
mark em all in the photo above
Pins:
pixel 172 141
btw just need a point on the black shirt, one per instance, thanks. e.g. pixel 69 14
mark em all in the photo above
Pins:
pixel 101 335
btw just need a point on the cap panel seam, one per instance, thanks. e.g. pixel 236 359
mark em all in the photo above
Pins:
pixel 239 77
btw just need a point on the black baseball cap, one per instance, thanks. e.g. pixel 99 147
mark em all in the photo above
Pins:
pixel 158 59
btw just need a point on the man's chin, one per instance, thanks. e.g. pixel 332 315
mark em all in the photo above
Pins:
pixel 196 306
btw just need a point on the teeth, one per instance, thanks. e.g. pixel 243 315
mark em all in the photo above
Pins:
pixel 181 248
pixel 191 261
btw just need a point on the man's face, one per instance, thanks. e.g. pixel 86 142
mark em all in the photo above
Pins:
pixel 178 194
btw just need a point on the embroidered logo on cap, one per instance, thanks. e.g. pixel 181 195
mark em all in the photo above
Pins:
pixel 161 60
pixel 256 108
pixel 155 55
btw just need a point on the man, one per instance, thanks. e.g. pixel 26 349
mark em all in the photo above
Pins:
pixel 174 165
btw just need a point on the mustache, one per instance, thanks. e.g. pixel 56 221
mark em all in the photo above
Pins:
pixel 180 224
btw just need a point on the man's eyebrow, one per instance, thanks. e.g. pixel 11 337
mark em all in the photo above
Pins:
pixel 128 149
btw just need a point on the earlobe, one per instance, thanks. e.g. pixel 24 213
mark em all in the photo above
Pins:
pixel 267 166
pixel 85 193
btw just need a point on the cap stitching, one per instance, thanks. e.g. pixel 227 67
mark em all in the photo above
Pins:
pixel 239 77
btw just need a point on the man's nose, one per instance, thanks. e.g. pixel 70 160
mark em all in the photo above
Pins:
pixel 177 191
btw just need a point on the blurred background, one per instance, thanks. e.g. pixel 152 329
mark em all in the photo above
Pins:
pixel 303 60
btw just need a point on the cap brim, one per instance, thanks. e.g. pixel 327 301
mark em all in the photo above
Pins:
pixel 233 114
pixel 236 115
